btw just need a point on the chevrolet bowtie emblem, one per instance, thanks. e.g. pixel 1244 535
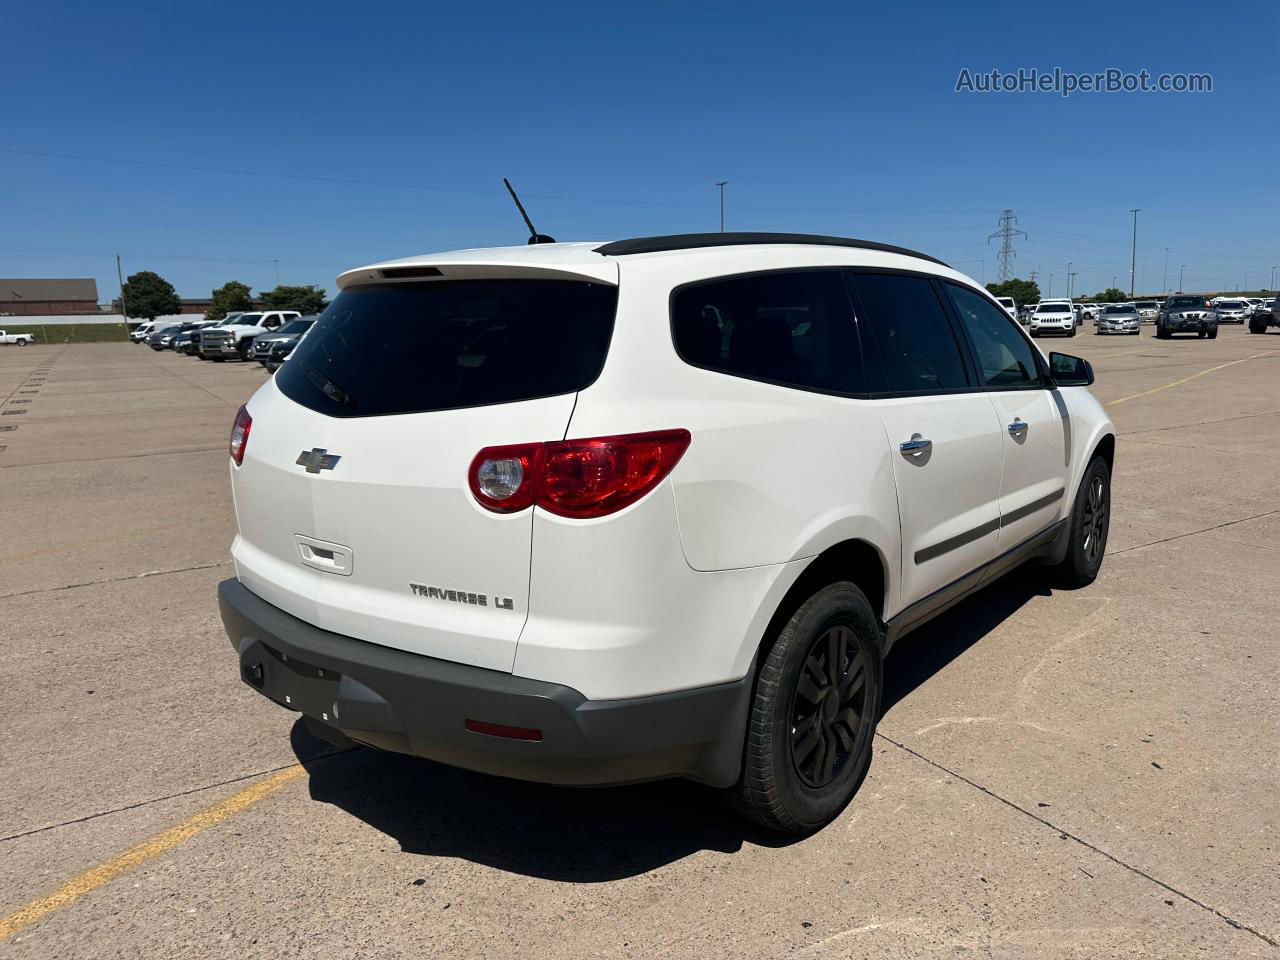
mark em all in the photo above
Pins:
pixel 317 459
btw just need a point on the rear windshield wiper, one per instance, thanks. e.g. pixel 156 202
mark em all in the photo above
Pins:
pixel 328 387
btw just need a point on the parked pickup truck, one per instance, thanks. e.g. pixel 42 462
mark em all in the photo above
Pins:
pixel 21 339
pixel 236 339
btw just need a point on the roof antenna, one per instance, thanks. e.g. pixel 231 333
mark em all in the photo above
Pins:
pixel 534 235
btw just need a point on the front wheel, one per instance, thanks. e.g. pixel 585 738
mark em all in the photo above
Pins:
pixel 813 713
pixel 1087 527
pixel 1072 333
pixel 1213 334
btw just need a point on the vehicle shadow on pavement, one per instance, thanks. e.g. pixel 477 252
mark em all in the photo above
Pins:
pixel 601 834
pixel 578 835
pixel 920 654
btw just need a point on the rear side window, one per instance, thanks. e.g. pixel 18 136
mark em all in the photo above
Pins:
pixel 412 348
pixel 917 347
pixel 793 328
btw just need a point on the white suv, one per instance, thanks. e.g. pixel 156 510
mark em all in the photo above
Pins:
pixel 1054 316
pixel 591 514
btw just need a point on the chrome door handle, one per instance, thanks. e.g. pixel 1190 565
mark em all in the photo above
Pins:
pixel 916 445
pixel 1017 428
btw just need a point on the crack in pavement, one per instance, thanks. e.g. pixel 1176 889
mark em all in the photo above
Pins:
pixel 318 758
pixel 1192 533
pixel 1200 423
pixel 132 576
pixel 1067 834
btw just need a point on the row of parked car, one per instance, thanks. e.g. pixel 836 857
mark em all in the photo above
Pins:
pixel 265 336
pixel 1180 313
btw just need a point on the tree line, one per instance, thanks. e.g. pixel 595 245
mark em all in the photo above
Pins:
pixel 148 295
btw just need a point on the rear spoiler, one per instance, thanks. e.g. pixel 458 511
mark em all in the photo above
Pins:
pixel 596 271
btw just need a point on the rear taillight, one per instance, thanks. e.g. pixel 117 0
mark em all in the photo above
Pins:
pixel 240 435
pixel 575 478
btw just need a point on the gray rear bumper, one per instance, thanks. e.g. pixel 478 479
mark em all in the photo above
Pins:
pixel 408 703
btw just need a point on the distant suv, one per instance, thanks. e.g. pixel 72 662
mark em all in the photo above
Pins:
pixel 1147 310
pixel 1187 313
pixel 593 514
pixel 1268 315
pixel 1054 316
pixel 1232 311
pixel 289 333
pixel 235 339
pixel 1009 305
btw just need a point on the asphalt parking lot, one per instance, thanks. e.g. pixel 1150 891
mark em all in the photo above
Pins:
pixel 1058 774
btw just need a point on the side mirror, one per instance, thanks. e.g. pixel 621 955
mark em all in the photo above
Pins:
pixel 1069 371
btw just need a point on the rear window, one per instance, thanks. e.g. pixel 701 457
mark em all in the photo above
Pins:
pixel 413 348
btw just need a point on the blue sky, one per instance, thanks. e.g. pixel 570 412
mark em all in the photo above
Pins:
pixel 334 135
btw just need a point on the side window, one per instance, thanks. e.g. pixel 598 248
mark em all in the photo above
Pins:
pixel 1005 358
pixel 271 322
pixel 918 349
pixel 793 328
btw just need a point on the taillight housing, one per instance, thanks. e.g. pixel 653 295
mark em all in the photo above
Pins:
pixel 586 478
pixel 240 435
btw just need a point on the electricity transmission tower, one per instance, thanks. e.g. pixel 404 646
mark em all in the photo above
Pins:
pixel 1006 233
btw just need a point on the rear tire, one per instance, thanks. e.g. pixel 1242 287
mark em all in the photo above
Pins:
pixel 813 713
pixel 1087 527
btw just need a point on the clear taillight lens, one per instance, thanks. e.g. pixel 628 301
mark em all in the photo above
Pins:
pixel 501 478
pixel 240 435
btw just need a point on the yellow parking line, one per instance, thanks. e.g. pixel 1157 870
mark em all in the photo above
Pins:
pixel 1231 363
pixel 135 856
pixel 129 535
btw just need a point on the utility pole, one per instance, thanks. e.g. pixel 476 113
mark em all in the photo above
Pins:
pixel 1180 271
pixel 1049 292
pixel 277 273
pixel 1071 282
pixel 1133 256
pixel 124 309
pixel 1006 233
pixel 1069 276
pixel 1164 284
pixel 721 185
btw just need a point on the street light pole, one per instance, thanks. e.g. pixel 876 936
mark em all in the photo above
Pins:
pixel 1050 293
pixel 1069 276
pixel 1164 284
pixel 124 307
pixel 721 185
pixel 1180 270
pixel 1133 256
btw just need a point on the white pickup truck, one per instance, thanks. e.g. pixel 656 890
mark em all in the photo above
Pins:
pixel 21 339
pixel 236 339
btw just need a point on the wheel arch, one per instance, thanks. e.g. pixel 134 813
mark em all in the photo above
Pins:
pixel 856 560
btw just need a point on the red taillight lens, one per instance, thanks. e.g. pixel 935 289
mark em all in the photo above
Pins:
pixel 592 478
pixel 240 435
pixel 576 478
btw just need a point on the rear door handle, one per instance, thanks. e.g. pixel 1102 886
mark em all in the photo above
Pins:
pixel 915 446
pixel 1017 428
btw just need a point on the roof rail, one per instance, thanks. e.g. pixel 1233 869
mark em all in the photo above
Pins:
pixel 690 241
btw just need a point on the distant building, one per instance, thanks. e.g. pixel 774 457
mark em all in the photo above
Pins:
pixel 36 297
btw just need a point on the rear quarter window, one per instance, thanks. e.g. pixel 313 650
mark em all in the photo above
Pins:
pixel 793 328
pixel 441 345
